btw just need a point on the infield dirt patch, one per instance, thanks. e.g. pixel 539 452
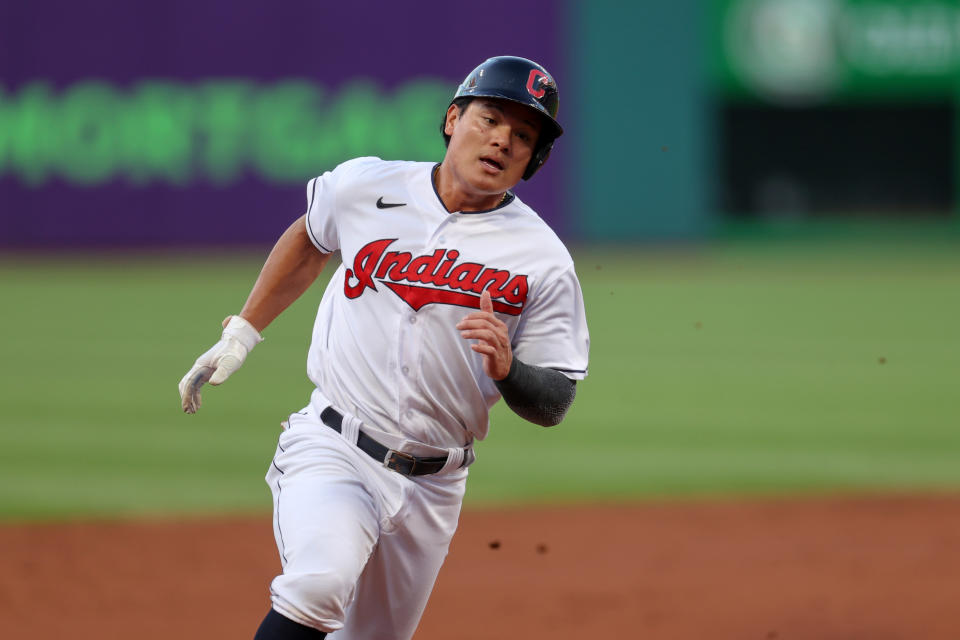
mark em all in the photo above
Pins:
pixel 826 569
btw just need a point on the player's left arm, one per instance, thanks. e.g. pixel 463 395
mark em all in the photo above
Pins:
pixel 538 394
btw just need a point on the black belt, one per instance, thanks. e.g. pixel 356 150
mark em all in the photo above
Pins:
pixel 401 462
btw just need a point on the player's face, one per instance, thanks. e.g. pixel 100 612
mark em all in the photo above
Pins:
pixel 491 143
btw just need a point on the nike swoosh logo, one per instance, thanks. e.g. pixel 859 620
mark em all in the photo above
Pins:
pixel 386 205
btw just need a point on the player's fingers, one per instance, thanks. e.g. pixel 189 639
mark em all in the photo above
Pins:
pixel 482 322
pixel 475 317
pixel 486 303
pixel 200 378
pixel 191 401
pixel 484 349
pixel 498 330
pixel 486 337
pixel 474 323
pixel 190 378
pixel 184 381
pixel 486 309
pixel 190 387
pixel 225 368
pixel 480 334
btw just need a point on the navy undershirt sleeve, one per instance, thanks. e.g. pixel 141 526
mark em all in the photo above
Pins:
pixel 537 394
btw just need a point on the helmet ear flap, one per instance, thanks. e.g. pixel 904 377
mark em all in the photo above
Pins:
pixel 539 157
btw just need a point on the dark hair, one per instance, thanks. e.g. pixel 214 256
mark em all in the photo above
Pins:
pixel 461 103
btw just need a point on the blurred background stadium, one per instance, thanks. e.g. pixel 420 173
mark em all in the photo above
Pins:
pixel 763 198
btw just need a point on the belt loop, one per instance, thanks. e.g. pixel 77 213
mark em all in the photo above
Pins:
pixel 454 461
pixel 350 429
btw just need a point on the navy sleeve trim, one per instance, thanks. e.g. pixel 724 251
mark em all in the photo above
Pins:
pixel 313 194
pixel 313 236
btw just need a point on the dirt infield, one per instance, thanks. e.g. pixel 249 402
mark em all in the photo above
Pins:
pixel 828 569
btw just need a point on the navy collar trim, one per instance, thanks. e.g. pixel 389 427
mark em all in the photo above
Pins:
pixel 510 197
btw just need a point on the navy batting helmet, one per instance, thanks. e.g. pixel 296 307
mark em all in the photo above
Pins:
pixel 518 80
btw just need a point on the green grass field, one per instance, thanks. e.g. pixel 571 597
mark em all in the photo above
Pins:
pixel 733 368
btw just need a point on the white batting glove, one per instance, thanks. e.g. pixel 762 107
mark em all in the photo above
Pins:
pixel 216 365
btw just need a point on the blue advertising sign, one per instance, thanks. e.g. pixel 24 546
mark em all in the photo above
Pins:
pixel 200 123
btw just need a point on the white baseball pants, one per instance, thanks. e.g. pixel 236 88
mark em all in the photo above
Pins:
pixel 360 545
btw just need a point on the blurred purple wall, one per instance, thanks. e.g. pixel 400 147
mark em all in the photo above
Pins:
pixel 63 42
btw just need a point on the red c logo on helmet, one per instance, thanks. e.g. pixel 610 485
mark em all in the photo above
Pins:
pixel 536 74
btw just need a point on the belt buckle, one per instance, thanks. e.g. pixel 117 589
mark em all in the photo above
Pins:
pixel 397 459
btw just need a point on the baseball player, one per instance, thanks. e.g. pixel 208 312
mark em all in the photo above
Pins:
pixel 452 293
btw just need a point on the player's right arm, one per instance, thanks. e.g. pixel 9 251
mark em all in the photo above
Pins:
pixel 290 269
pixel 292 266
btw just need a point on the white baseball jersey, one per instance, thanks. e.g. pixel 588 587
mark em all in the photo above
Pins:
pixel 360 544
pixel 385 345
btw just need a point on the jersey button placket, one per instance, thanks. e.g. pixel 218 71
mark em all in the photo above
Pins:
pixel 408 356
pixel 439 234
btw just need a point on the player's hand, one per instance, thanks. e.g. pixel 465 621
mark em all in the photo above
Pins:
pixel 216 365
pixel 492 338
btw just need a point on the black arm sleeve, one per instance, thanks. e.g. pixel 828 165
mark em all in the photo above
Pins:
pixel 537 394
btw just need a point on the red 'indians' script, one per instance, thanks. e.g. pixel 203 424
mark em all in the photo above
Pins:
pixel 437 277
